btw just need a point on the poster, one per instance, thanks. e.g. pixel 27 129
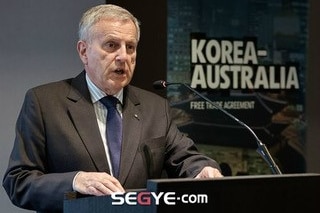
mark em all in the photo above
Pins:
pixel 247 57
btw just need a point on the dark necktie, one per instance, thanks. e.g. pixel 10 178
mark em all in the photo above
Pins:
pixel 114 132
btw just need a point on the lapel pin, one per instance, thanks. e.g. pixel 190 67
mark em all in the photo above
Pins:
pixel 136 116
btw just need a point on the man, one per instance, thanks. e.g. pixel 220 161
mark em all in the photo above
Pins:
pixel 61 142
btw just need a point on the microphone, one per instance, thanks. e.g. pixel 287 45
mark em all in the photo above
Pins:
pixel 161 84
pixel 262 149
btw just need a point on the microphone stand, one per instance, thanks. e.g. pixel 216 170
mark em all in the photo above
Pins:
pixel 262 149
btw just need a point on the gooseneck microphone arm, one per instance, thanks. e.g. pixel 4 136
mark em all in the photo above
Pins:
pixel 262 149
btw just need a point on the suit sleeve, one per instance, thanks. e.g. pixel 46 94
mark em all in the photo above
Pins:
pixel 28 181
pixel 182 156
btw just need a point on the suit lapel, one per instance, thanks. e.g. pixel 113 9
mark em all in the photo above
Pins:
pixel 131 132
pixel 84 119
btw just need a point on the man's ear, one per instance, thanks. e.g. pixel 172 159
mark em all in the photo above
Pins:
pixel 82 51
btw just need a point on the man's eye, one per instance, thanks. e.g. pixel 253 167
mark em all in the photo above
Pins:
pixel 110 46
pixel 131 48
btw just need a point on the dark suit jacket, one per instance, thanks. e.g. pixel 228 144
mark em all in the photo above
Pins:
pixel 57 135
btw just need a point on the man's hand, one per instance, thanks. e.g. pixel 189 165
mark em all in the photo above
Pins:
pixel 209 172
pixel 96 183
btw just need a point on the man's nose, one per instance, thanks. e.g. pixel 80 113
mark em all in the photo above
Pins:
pixel 122 54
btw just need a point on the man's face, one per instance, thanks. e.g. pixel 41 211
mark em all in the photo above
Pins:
pixel 110 54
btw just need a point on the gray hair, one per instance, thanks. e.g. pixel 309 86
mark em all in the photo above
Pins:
pixel 104 11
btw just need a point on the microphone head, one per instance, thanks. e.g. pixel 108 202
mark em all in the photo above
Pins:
pixel 160 84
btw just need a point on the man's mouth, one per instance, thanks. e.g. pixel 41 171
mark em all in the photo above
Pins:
pixel 119 71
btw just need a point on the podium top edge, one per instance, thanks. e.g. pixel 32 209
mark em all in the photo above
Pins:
pixel 299 175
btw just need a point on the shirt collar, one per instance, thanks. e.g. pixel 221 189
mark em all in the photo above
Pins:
pixel 97 94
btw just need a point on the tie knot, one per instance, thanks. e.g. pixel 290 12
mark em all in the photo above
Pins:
pixel 109 101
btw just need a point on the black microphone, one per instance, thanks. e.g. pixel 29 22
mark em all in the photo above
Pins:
pixel 262 149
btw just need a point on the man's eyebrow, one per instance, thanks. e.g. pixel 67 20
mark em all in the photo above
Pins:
pixel 111 37
pixel 108 36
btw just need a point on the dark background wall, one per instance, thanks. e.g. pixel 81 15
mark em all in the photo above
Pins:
pixel 37 45
pixel 313 89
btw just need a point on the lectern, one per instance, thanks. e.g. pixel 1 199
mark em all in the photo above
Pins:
pixel 242 194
